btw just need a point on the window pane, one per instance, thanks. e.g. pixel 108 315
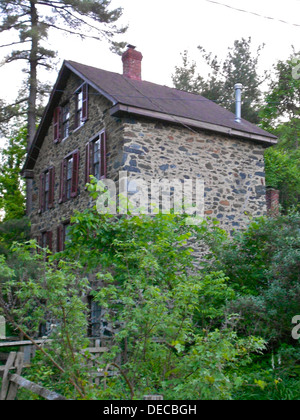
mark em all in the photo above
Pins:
pixel 47 181
pixel 97 170
pixel 96 159
pixel 69 188
pixel 96 151
pixel 69 178
pixel 79 107
pixel 69 168
pixel 66 119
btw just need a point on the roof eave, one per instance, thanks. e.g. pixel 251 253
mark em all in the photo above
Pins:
pixel 120 108
pixel 91 83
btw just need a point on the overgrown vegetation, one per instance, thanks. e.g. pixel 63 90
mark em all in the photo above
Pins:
pixel 219 331
pixel 275 108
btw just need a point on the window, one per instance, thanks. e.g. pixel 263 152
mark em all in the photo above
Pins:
pixel 69 177
pixel 46 240
pixel 46 190
pixel 81 105
pixel 61 123
pixel 63 236
pixel 95 319
pixel 96 157
pixel 65 120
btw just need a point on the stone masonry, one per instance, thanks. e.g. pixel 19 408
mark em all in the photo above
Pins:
pixel 232 169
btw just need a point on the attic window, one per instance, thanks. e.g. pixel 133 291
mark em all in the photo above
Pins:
pixel 81 105
pixel 65 120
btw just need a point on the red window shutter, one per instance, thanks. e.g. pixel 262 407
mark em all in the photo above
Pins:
pixel 51 187
pixel 85 95
pixel 103 164
pixel 88 162
pixel 75 174
pixel 60 239
pixel 41 192
pixel 62 182
pixel 57 125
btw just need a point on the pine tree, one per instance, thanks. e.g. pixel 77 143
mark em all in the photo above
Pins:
pixel 32 20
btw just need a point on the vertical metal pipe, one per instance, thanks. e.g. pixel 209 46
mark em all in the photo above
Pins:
pixel 238 102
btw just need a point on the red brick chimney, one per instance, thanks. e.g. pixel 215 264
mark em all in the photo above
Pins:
pixel 132 63
pixel 272 197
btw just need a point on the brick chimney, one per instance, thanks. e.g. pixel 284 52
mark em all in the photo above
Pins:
pixel 272 196
pixel 132 63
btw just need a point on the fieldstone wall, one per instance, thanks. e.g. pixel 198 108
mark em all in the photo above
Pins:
pixel 52 154
pixel 232 169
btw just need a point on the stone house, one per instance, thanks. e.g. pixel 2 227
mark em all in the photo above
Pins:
pixel 101 123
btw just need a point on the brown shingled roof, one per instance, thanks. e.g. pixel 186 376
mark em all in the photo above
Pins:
pixel 163 99
pixel 151 100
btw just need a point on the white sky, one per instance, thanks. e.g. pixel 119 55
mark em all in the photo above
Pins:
pixel 162 29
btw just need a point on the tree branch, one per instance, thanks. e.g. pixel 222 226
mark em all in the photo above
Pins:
pixel 13 43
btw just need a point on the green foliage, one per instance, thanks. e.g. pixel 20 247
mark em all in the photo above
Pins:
pixel 38 295
pixel 13 231
pixel 263 264
pixel 240 66
pixel 281 115
pixel 282 100
pixel 266 251
pixel 276 374
pixel 219 331
pixel 12 198
pixel 283 173
pixel 164 313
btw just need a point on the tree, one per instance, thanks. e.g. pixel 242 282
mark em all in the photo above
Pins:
pixel 282 101
pixel 162 313
pixel 36 296
pixel 240 66
pixel 12 197
pixel 263 266
pixel 31 20
pixel 281 115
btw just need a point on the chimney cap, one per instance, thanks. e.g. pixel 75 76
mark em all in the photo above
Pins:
pixel 238 86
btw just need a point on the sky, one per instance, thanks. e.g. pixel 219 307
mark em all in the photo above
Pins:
pixel 163 29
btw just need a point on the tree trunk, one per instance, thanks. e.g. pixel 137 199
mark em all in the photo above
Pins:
pixel 31 113
pixel 33 62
